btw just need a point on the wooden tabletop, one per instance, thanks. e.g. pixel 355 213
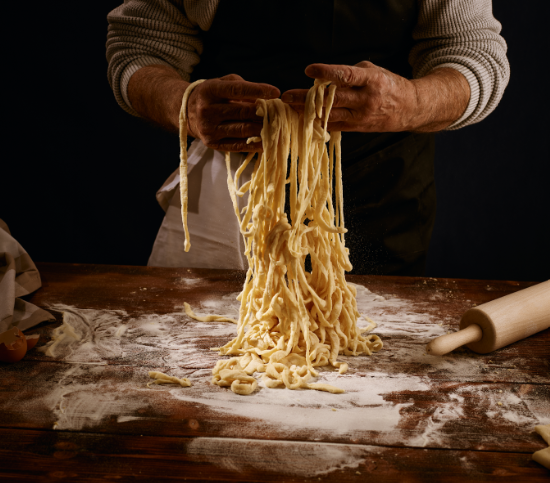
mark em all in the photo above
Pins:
pixel 87 413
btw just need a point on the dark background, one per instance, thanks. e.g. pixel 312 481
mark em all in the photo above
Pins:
pixel 78 175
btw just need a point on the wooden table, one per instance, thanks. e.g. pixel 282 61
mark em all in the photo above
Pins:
pixel 87 414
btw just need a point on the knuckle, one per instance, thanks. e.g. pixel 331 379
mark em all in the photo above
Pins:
pixel 215 88
pixel 365 64
pixel 231 77
pixel 207 88
pixel 348 75
pixel 201 109
pixel 381 83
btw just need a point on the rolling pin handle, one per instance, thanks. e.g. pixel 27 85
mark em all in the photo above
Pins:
pixel 447 343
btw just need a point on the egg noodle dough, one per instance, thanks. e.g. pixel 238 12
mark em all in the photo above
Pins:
pixel 291 320
pixel 543 456
pixel 161 378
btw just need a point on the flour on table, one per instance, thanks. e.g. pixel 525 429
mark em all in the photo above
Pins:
pixel 270 456
pixel 79 401
pixel 104 367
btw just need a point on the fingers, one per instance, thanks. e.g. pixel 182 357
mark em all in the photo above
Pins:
pixel 231 136
pixel 342 75
pixel 338 115
pixel 295 96
pixel 242 90
pixel 236 146
pixel 222 112
pixel 233 112
pixel 341 114
pixel 342 98
pixel 242 130
pixel 218 121
pixel 341 126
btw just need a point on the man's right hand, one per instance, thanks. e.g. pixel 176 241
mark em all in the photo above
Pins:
pixel 222 112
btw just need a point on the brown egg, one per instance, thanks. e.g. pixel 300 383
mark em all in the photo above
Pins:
pixel 31 340
pixel 16 350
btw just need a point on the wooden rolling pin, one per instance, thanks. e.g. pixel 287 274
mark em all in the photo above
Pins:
pixel 500 322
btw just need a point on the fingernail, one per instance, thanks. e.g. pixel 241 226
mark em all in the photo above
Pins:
pixel 288 98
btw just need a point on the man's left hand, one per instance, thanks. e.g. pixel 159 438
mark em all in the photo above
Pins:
pixel 372 99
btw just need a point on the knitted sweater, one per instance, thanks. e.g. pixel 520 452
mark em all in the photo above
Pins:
pixel 461 34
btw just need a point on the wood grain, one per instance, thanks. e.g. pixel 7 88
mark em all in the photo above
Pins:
pixel 445 421
pixel 45 456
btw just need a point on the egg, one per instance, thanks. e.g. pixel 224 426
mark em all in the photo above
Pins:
pixel 16 347
pixel 31 340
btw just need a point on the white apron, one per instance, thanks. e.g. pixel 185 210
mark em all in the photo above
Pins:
pixel 216 241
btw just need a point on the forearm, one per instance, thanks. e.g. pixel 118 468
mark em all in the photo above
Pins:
pixel 463 35
pixel 440 98
pixel 156 92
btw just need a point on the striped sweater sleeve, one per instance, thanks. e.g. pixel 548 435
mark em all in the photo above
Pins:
pixel 148 32
pixel 463 35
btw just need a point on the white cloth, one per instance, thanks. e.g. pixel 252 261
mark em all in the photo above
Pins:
pixel 18 277
pixel 216 241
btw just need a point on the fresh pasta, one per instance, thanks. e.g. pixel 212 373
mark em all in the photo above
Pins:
pixel 161 378
pixel 291 321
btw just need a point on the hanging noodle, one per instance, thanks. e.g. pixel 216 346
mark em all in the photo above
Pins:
pixel 291 320
pixel 183 160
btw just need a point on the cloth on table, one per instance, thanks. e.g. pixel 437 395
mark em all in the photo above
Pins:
pixel 18 277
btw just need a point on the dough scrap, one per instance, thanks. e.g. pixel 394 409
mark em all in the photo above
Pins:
pixel 207 318
pixel 544 431
pixel 161 378
pixel 543 456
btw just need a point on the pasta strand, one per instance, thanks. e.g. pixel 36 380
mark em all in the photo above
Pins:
pixel 292 320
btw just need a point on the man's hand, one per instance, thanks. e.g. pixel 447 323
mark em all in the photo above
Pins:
pixel 220 112
pixel 372 99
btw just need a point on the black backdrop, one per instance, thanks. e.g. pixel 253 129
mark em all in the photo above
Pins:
pixel 78 175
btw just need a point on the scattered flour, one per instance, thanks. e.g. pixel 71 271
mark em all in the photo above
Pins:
pixel 270 456
pixel 79 401
pixel 379 401
pixel 189 282
pixel 296 411
pixel 396 316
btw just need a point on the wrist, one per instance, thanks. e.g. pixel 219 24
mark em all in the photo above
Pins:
pixel 416 114
pixel 440 98
pixel 156 93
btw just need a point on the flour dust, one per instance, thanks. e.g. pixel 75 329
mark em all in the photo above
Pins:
pixel 106 355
